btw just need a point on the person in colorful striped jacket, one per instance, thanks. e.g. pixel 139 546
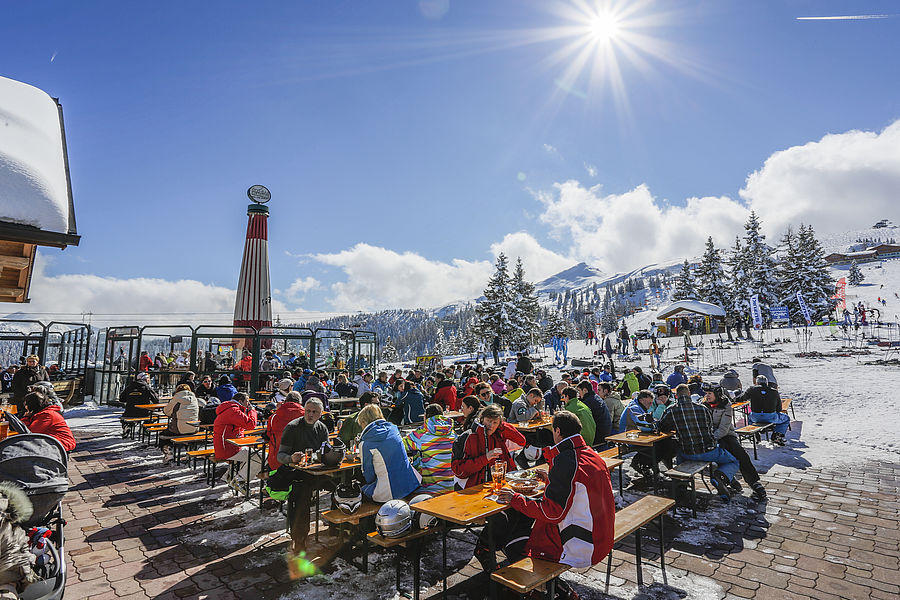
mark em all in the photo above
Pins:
pixel 432 447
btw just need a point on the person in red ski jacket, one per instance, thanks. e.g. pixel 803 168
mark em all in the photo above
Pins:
pixel 487 442
pixel 574 520
pixel 145 363
pixel 44 415
pixel 232 419
pixel 286 412
pixel 445 392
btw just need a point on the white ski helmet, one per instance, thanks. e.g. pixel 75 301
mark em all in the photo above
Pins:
pixel 394 518
pixel 421 520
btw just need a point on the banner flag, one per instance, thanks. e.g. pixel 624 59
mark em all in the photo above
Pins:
pixel 841 293
pixel 804 309
pixel 755 311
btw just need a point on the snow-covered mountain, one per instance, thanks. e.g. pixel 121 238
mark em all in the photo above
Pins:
pixel 580 275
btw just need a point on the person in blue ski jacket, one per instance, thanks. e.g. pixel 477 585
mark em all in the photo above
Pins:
pixel 225 391
pixel 410 401
pixel 385 466
pixel 677 378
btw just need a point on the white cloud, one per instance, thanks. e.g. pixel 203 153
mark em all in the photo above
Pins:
pixel 539 262
pixel 297 291
pixel 591 170
pixel 550 149
pixel 382 278
pixel 847 176
pixel 138 299
pixel 619 232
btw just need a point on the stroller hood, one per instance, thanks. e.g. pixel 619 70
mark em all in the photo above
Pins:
pixel 38 464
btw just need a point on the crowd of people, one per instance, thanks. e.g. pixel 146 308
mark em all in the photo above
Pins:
pixel 417 433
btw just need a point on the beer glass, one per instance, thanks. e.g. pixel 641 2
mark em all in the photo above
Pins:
pixel 498 472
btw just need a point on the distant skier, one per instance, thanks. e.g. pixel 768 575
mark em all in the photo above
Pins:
pixel 495 349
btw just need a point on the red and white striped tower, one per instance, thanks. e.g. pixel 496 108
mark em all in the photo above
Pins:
pixel 253 303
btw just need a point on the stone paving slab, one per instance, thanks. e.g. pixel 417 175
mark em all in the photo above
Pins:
pixel 135 531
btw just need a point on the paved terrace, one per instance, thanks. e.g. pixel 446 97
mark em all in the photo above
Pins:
pixel 140 530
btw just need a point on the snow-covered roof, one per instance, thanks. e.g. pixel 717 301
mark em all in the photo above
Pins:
pixel 35 194
pixel 694 306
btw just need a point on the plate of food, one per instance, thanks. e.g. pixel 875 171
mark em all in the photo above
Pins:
pixel 530 488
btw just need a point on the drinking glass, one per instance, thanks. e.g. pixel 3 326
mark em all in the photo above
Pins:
pixel 4 430
pixel 498 472
pixel 309 456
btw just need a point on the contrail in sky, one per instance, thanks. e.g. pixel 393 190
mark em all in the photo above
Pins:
pixel 845 18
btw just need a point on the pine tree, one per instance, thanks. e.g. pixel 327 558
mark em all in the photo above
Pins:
pixel 525 308
pixel 855 277
pixel 389 352
pixel 738 300
pixel 711 276
pixel 441 347
pixel 494 313
pixel 815 282
pixel 760 265
pixel 685 289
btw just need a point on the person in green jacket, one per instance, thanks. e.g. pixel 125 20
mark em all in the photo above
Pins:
pixel 350 429
pixel 629 384
pixel 574 405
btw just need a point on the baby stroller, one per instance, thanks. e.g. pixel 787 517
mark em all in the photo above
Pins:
pixel 38 464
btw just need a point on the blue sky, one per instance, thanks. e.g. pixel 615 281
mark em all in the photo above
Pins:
pixel 431 128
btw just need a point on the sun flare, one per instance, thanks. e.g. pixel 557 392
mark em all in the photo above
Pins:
pixel 604 27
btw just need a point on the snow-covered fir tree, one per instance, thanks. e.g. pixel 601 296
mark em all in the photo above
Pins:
pixel 496 311
pixel 608 322
pixel 737 282
pixel 710 277
pixel 557 325
pixel 389 352
pixel 759 265
pixel 441 347
pixel 814 280
pixel 525 309
pixel 685 288
pixel 855 277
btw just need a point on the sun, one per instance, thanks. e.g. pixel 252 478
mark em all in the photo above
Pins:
pixel 603 27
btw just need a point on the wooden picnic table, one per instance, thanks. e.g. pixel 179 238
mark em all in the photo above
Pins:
pixel 452 414
pixel 643 440
pixel 252 443
pixel 319 469
pixel 150 406
pixel 534 425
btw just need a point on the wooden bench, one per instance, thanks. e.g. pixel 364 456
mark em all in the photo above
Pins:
pixel 339 517
pixel 198 454
pixel 685 472
pixel 632 519
pixel 68 389
pixel 743 407
pixel 529 574
pixel 787 403
pixel 129 425
pixel 751 431
pixel 187 440
pixel 349 524
pixel 415 549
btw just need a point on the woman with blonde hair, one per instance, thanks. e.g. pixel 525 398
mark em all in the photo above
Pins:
pixel 385 466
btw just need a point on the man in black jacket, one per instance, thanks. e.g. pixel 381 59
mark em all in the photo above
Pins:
pixel 523 364
pixel 301 434
pixel 765 406
pixel 24 378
